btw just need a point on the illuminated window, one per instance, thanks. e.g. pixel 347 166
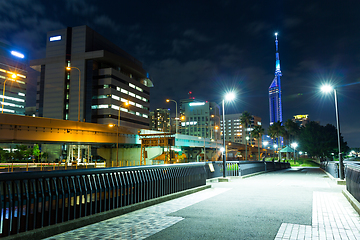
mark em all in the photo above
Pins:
pixel 21 94
pixel 132 85
pixel 139 89
pixel 124 91
pixel 118 88
pixel 144 99
pixel 131 94
pixel 106 86
pixel 115 97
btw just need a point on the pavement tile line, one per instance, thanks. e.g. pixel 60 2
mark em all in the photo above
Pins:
pixel 142 223
pixel 332 218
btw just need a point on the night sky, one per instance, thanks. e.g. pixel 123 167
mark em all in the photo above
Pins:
pixel 209 47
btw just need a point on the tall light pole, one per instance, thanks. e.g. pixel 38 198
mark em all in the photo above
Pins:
pixel 228 97
pixel 176 116
pixel 69 68
pixel 328 89
pixel 294 145
pixel 3 100
pixel 117 134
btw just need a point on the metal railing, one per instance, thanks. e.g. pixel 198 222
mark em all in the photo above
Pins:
pixel 242 168
pixel 331 167
pixel 30 200
pixel 353 180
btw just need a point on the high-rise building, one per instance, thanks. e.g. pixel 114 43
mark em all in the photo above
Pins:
pixel 104 82
pixel 275 104
pixel 235 132
pixel 200 118
pixel 301 120
pixel 13 80
pixel 160 120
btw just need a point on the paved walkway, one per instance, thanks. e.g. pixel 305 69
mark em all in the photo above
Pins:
pixel 290 204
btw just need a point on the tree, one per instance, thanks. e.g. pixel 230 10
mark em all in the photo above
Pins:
pixel 36 151
pixel 276 130
pixel 293 129
pixel 320 141
pixel 245 120
pixel 258 131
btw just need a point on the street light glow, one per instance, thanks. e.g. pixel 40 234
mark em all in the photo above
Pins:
pixel 326 88
pixel 294 145
pixel 229 96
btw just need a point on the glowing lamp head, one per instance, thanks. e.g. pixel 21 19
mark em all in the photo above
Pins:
pixel 13 76
pixel 326 88
pixel 276 34
pixel 294 145
pixel 230 96
pixel 111 125
pixel 167 100
pixel 275 145
pixel 68 68
pixel 265 143
pixel 222 149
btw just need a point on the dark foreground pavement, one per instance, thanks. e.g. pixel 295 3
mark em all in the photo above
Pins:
pixel 287 204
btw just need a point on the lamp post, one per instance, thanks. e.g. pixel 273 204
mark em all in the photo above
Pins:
pixel 265 143
pixel 117 134
pixel 3 100
pixel 69 68
pixel 228 97
pixel 328 89
pixel 275 147
pixel 204 149
pixel 176 116
pixel 294 145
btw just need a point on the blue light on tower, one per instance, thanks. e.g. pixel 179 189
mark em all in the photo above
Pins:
pixel 275 104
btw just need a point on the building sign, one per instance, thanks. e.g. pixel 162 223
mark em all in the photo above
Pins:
pixel 55 38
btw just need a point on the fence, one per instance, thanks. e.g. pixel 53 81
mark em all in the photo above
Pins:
pixel 241 168
pixel 353 180
pixel 331 167
pixel 30 200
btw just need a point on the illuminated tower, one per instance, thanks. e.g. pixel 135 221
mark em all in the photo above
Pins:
pixel 275 90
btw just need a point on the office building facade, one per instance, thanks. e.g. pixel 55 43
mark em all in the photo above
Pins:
pixel 301 120
pixel 200 118
pixel 103 84
pixel 235 132
pixel 13 80
pixel 160 120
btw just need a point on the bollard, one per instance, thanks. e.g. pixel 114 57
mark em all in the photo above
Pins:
pixel 112 163
pixel 27 166
pixel 12 167
pixel 95 163
pixel 65 165
pixel 54 166
pixel 76 165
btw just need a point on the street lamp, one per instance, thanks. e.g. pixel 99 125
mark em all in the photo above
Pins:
pixel 294 145
pixel 328 89
pixel 69 68
pixel 275 147
pixel 204 149
pixel 265 143
pixel 3 100
pixel 228 97
pixel 176 116
pixel 117 134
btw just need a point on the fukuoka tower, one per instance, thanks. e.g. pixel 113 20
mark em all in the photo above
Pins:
pixel 275 104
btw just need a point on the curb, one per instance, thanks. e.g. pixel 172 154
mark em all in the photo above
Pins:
pixel 337 180
pixel 352 200
pixel 55 229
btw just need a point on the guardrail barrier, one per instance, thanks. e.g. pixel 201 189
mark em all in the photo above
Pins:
pixel 30 200
pixel 353 180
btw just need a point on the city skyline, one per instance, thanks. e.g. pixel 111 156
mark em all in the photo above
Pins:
pixel 213 47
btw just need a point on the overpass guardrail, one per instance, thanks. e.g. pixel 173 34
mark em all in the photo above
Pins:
pixel 31 200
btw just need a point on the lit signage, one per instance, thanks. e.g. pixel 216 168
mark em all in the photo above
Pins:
pixel 17 54
pixel 196 104
pixel 55 38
